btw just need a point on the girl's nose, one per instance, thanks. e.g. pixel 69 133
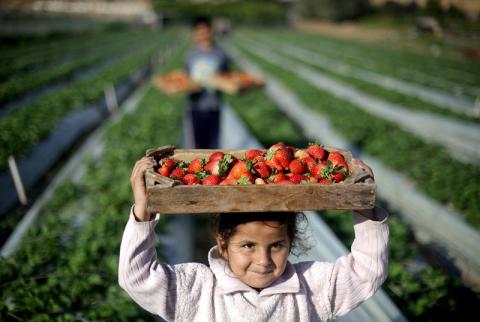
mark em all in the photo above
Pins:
pixel 263 257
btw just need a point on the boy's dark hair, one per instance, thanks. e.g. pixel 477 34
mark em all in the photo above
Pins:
pixel 202 20
pixel 225 224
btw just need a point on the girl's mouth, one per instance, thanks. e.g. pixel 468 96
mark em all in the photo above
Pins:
pixel 262 272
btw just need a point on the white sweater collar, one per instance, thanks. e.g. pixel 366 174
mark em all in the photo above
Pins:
pixel 229 283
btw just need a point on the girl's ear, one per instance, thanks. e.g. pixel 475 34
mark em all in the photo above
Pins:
pixel 221 247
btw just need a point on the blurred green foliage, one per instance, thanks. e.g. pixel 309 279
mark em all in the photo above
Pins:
pixel 333 9
pixel 245 12
pixel 66 267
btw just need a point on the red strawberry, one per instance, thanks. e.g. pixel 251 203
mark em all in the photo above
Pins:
pixel 338 176
pixel 271 164
pixel 301 154
pixel 298 178
pixel 338 161
pixel 316 151
pixel 246 178
pixel 278 145
pixel 165 166
pixel 297 167
pixel 262 169
pixel 324 181
pixel 285 182
pixel 211 180
pixel 320 170
pixel 313 180
pixel 291 149
pixel 276 178
pixel 283 158
pixel 252 154
pixel 240 168
pixel 216 156
pixel 228 181
pixel 220 166
pixel 310 162
pixel 190 179
pixel 213 167
pixel 279 159
pixel 177 174
pixel 196 165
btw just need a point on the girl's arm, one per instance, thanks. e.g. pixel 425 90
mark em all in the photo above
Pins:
pixel 358 275
pixel 139 274
pixel 139 189
pixel 150 284
pixel 159 288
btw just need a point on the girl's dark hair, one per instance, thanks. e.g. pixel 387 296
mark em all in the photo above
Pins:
pixel 225 224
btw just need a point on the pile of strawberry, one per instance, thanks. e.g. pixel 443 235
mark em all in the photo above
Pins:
pixel 280 164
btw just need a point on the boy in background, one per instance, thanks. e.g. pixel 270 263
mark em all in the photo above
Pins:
pixel 204 60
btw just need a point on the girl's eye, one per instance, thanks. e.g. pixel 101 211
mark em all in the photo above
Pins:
pixel 248 245
pixel 278 245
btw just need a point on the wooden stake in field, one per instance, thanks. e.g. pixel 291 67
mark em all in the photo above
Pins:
pixel 476 108
pixel 17 180
pixel 111 98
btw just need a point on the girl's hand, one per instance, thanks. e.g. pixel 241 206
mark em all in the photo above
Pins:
pixel 137 181
pixel 360 164
pixel 375 213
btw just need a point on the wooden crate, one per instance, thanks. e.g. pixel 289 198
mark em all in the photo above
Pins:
pixel 165 195
pixel 235 82
pixel 176 82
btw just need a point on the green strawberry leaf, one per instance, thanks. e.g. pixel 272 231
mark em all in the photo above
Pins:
pixel 202 174
pixel 244 181
pixel 270 153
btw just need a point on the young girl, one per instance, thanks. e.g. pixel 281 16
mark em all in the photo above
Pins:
pixel 249 277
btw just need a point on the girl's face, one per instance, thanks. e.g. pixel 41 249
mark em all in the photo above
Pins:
pixel 257 252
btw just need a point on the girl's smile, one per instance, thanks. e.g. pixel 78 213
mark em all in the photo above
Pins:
pixel 257 252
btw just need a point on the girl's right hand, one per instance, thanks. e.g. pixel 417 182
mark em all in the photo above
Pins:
pixel 137 181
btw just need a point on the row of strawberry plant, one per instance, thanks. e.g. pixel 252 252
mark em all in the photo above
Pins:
pixel 429 166
pixel 18 85
pixel 39 55
pixel 66 268
pixel 389 61
pixel 424 293
pixel 23 128
pixel 391 96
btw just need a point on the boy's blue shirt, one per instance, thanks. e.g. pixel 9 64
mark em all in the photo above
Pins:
pixel 201 65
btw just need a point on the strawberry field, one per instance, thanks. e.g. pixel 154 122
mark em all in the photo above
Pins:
pixel 65 267
pixel 396 147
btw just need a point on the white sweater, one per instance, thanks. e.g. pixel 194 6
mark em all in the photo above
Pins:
pixel 307 291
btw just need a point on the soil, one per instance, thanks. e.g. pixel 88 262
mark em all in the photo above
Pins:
pixel 348 30
pixel 449 46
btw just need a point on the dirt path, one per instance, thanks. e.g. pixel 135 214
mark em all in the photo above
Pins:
pixel 348 30
pixel 450 46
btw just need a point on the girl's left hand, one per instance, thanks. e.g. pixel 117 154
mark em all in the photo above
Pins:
pixel 362 165
pixel 375 213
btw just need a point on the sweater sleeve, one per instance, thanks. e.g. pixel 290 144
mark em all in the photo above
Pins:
pixel 358 275
pixel 170 291
pixel 146 281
